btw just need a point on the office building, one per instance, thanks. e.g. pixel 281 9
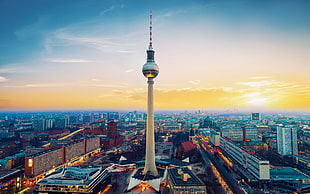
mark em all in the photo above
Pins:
pixel 287 140
pixel 255 116
pixel 239 133
pixel 255 165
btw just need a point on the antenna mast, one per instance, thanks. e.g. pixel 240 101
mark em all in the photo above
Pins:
pixel 151 39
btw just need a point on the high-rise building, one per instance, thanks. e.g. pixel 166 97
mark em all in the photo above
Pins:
pixel 255 116
pixel 287 140
pixel 61 123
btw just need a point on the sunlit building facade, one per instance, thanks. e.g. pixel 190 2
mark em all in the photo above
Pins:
pixel 39 163
pixel 239 133
pixel 256 166
pixel 287 140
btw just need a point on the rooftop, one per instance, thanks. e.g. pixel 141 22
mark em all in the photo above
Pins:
pixel 177 177
pixel 72 176
pixel 7 172
pixel 287 173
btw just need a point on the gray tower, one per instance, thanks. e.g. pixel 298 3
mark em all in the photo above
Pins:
pixel 150 71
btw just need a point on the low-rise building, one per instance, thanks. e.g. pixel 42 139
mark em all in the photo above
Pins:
pixel 11 180
pixel 182 180
pixel 289 180
pixel 74 180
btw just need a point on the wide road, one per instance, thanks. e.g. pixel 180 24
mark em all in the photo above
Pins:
pixel 231 182
pixel 66 136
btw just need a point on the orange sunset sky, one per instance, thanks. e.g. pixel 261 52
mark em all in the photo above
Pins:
pixel 211 55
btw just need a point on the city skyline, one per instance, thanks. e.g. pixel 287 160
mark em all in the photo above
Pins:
pixel 212 55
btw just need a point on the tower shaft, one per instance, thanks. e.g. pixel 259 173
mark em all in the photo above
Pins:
pixel 150 139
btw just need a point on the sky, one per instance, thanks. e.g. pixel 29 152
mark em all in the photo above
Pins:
pixel 77 54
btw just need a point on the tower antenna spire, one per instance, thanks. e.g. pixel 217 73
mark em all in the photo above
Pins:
pixel 151 28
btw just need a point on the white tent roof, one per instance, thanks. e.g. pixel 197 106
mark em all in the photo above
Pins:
pixel 155 183
pixel 186 160
pixel 122 158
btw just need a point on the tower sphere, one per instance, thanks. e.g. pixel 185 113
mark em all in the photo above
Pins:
pixel 150 70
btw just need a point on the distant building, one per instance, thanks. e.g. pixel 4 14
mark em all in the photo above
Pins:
pixel 182 180
pixel 215 138
pixel 113 136
pixel 171 127
pixel 273 144
pixel 191 135
pixel 207 123
pixel 239 133
pixel 287 140
pixel 255 116
pixel 43 124
pixel 74 180
pixel 14 161
pixel 61 123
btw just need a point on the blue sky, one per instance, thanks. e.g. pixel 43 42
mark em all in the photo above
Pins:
pixel 245 49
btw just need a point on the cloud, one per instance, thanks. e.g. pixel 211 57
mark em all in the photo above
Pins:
pixel 129 70
pixel 69 60
pixel 32 29
pixel 102 85
pixel 251 95
pixel 174 12
pixel 107 10
pixel 8 70
pixel 66 38
pixel 113 7
pixel 17 68
pixel 118 91
pixel 3 79
pixel 47 85
pixel 260 77
pixel 256 84
pixel 195 82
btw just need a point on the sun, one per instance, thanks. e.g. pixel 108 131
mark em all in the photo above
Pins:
pixel 257 102
pixel 255 99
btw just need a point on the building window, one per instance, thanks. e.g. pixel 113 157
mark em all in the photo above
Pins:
pixel 30 162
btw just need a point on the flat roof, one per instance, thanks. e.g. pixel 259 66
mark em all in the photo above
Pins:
pixel 304 158
pixel 72 176
pixel 5 172
pixel 287 173
pixel 176 175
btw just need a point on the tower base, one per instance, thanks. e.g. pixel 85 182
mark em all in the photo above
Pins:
pixel 138 180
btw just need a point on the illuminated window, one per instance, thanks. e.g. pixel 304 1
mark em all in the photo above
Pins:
pixel 30 162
